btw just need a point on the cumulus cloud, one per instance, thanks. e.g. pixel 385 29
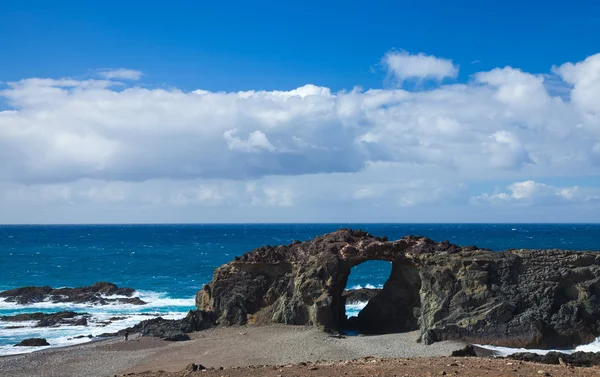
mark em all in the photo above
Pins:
pixel 120 74
pixel 101 141
pixel 584 76
pixel 506 151
pixel 404 66
pixel 532 192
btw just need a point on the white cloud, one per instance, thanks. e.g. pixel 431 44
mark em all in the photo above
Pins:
pixel 120 74
pixel 506 151
pixel 585 78
pixel 257 141
pixel 404 66
pixel 536 193
pixel 86 143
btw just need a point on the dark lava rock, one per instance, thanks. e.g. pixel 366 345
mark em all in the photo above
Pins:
pixel 26 295
pixel 33 342
pixel 52 319
pixel 360 295
pixel 579 359
pixel 466 351
pixel 178 337
pixel 90 336
pixel 519 298
pixel 117 318
pixel 132 301
pixel 98 293
pixel 169 329
pixel 194 367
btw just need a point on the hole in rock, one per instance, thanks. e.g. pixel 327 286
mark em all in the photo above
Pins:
pixel 381 297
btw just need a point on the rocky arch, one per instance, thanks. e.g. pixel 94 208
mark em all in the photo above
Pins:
pixel 396 308
pixel 522 298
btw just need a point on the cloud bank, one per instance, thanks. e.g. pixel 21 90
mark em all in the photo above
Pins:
pixel 97 140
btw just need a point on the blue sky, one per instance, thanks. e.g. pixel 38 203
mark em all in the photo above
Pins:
pixel 238 45
pixel 465 111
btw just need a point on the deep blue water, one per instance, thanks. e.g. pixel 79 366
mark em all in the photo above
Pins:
pixel 169 263
pixel 178 259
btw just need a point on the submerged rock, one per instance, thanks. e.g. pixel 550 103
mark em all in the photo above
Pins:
pixel 33 342
pixel 523 298
pixel 98 293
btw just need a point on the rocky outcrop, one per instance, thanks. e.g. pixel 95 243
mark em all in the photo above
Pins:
pixel 33 342
pixel 170 329
pixel 525 298
pixel 577 359
pixel 49 320
pixel 354 296
pixel 98 294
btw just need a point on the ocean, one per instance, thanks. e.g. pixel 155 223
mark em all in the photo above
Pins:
pixel 168 264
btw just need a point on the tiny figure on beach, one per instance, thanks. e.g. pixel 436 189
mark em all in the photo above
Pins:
pixel 126 334
pixel 139 335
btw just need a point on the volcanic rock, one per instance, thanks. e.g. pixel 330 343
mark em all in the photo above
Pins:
pixel 578 359
pixel 170 329
pixel 33 342
pixel 523 298
pixel 98 294
pixel 466 351
pixel 360 295
pixel 52 319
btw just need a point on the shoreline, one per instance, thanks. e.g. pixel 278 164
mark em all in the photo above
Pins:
pixel 270 351
pixel 55 348
pixel 228 347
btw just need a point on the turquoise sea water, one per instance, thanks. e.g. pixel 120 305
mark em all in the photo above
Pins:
pixel 168 264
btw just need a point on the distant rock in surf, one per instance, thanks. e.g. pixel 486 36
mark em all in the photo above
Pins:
pixel 354 296
pixel 33 342
pixel 49 320
pixel 97 294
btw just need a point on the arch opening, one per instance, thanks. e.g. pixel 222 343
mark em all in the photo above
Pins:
pixel 389 303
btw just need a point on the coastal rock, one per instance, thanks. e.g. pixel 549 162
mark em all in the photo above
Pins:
pixel 170 329
pixel 98 294
pixel 523 298
pixel 466 351
pixel 51 319
pixel 33 342
pixel 577 359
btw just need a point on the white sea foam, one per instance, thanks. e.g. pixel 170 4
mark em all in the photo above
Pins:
pixel 353 309
pixel 505 351
pixel 158 305
pixel 153 300
pixel 368 286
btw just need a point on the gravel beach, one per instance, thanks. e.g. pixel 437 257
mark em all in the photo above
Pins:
pixel 270 351
pixel 220 347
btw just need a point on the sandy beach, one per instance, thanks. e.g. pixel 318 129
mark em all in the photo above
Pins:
pixel 274 350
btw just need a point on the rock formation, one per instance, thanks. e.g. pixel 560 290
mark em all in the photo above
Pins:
pixel 98 294
pixel 33 342
pixel 526 298
pixel 170 329
pixel 360 295
pixel 576 359
pixel 49 320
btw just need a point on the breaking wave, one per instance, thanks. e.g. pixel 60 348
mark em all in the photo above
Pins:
pixel 104 319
